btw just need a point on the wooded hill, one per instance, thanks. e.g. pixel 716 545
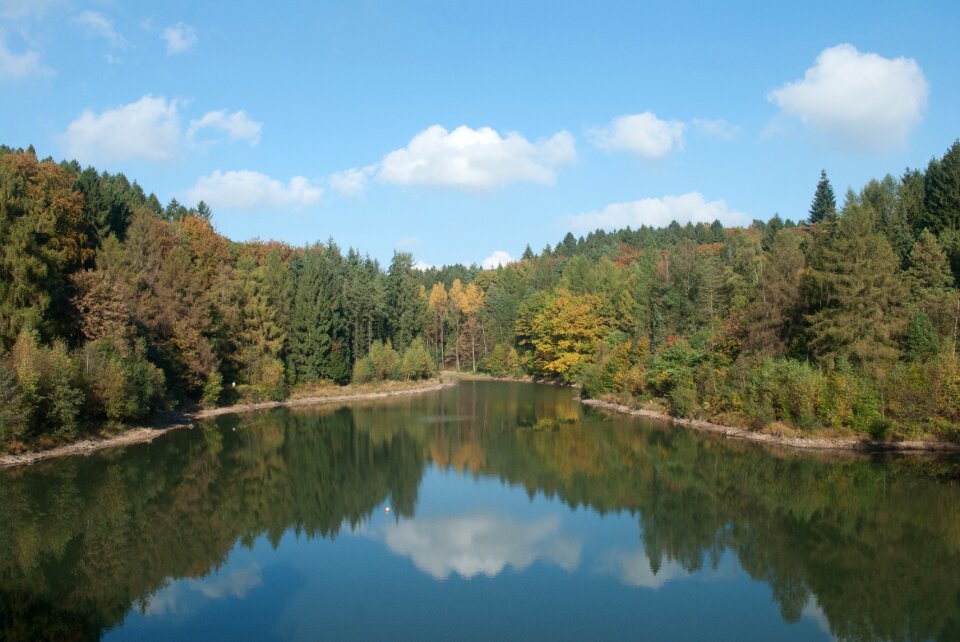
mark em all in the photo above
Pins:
pixel 113 307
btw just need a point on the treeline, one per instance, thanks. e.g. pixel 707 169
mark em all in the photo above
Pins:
pixel 113 307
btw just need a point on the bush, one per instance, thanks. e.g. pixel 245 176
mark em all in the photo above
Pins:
pixel 416 362
pixel 381 363
pixel 123 385
pixel 50 386
pixel 783 390
pixel 683 399
pixel 11 411
pixel 503 361
pixel 212 390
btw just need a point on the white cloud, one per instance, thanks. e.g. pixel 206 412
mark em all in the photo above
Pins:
pixel 495 260
pixel 352 181
pixel 97 25
pixel 246 189
pixel 476 159
pixel 864 100
pixel 812 611
pixel 147 129
pixel 179 38
pixel 657 212
pixel 716 128
pixel 18 66
pixel 16 9
pixel 236 125
pixel 633 568
pixel 179 597
pixel 481 544
pixel 421 266
pixel 643 134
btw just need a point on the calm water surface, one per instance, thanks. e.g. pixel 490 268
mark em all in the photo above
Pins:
pixel 515 513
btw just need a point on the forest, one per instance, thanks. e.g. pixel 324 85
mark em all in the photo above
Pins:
pixel 114 307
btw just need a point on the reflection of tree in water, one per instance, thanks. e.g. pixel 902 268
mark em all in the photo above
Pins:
pixel 84 539
pixel 875 545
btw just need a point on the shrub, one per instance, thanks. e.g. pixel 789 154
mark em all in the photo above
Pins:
pixel 416 362
pixel 212 390
pixel 503 361
pixel 50 386
pixel 381 363
pixel 11 410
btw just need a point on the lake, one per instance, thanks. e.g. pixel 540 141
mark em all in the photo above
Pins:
pixel 485 511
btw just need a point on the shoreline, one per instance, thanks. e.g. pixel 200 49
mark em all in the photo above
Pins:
pixel 145 434
pixel 798 443
pixel 482 376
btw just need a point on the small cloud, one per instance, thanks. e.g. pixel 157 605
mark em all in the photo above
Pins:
pixel 179 38
pixel 863 100
pixel 236 126
pixel 716 128
pixel 634 569
pixel 353 181
pixel 19 9
pixel 421 266
pixel 245 189
pixel 497 259
pixel 656 212
pixel 642 134
pixel 19 66
pixel 481 544
pixel 148 129
pixel 476 159
pixel 97 25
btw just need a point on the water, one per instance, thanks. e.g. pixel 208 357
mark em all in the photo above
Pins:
pixel 515 513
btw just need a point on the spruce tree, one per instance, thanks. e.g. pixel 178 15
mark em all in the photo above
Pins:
pixel 942 191
pixel 824 204
pixel 854 292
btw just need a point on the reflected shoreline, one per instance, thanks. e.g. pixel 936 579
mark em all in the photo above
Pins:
pixel 139 435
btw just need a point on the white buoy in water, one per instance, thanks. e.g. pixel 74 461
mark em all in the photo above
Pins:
pixel 386 510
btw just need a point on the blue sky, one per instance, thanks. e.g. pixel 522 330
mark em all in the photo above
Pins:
pixel 458 129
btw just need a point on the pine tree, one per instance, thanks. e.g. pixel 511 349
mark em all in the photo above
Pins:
pixel 824 204
pixel 942 192
pixel 930 283
pixel 855 293
pixel 774 316
pixel 404 307
pixel 319 340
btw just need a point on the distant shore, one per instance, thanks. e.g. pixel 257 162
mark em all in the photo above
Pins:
pixel 143 434
pixel 801 443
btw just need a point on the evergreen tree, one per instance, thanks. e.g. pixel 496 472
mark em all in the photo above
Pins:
pixel 405 309
pixel 855 293
pixel 774 316
pixel 824 204
pixel 319 340
pixel 920 338
pixel 942 192
pixel 44 237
